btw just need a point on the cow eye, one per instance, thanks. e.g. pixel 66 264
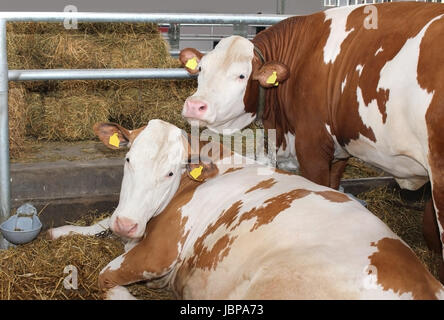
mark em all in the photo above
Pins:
pixel 127 160
pixel 200 68
pixel 241 76
pixel 170 174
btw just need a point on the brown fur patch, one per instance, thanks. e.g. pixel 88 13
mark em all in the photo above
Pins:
pixel 233 170
pixel 266 184
pixel 284 172
pixel 333 196
pixel 399 270
pixel 209 259
pixel 203 258
pixel 272 207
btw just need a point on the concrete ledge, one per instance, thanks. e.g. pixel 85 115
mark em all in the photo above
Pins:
pixel 356 186
pixel 65 179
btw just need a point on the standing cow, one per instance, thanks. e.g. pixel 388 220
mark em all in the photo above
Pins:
pixel 361 81
pixel 219 230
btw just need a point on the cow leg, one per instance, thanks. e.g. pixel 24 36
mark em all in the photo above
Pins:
pixel 64 231
pixel 430 228
pixel 119 272
pixel 315 161
pixel 336 170
pixel 133 266
pixel 438 200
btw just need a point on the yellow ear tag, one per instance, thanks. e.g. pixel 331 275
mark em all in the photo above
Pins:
pixel 114 140
pixel 276 84
pixel 192 63
pixel 196 172
pixel 272 79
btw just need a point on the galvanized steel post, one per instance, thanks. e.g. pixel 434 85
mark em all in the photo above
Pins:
pixel 5 193
pixel 174 36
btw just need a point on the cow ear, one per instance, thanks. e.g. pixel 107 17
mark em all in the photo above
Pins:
pixel 114 136
pixel 271 74
pixel 201 171
pixel 190 58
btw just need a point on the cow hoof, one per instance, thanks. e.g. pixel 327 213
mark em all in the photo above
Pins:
pixel 48 235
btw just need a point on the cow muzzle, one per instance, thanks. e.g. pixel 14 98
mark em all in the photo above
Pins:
pixel 195 109
pixel 124 227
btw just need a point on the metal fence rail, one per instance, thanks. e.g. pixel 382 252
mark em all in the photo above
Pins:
pixel 97 74
pixel 239 21
pixel 182 18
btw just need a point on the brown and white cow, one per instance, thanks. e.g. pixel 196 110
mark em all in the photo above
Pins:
pixel 352 81
pixel 245 231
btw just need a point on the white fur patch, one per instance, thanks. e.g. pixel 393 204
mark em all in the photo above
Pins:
pixel 115 264
pixel 119 293
pixel 359 69
pixel 286 158
pixel 338 32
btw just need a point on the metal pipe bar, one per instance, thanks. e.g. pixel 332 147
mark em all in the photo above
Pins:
pixel 5 192
pixel 200 18
pixel 97 74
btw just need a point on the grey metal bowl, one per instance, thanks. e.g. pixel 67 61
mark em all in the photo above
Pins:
pixel 20 237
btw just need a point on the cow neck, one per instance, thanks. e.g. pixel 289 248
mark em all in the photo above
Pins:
pixel 261 97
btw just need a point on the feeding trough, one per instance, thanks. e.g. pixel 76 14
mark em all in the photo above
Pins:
pixel 23 227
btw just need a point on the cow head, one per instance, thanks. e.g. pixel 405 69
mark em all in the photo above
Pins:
pixel 152 172
pixel 223 78
pixel 160 153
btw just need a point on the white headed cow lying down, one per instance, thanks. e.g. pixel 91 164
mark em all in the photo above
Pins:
pixel 242 235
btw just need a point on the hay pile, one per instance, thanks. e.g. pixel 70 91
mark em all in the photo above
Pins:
pixel 17 119
pixel 357 168
pixel 66 110
pixel 36 270
pixel 404 218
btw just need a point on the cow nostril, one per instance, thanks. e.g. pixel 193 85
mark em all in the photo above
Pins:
pixel 202 108
pixel 125 226
pixel 133 229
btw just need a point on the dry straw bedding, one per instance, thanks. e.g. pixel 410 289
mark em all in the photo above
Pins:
pixel 35 270
pixel 66 110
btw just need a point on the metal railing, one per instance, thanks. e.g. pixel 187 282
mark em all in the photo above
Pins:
pixel 239 22
pixel 339 3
